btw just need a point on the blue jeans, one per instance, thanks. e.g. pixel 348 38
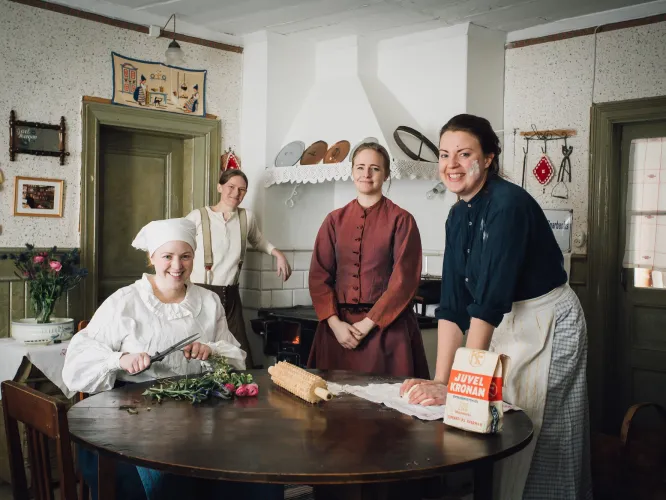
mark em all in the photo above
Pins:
pixel 140 483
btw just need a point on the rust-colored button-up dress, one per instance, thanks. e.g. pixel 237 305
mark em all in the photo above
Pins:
pixel 367 262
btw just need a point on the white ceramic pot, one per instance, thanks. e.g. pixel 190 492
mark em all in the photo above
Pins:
pixel 30 332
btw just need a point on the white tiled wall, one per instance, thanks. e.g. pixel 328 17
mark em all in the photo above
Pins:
pixel 302 260
pixel 296 281
pixel 302 298
pixel 262 287
pixel 250 279
pixel 282 298
pixel 266 298
pixel 253 260
pixel 270 280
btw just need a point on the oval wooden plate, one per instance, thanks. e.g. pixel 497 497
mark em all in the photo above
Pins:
pixel 337 152
pixel 314 154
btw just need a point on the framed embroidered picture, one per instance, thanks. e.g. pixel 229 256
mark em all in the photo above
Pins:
pixel 158 86
pixel 37 197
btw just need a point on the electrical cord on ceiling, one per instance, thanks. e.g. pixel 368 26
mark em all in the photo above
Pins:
pixel 594 62
pixel 513 161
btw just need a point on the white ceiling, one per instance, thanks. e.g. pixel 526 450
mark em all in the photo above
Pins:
pixel 230 20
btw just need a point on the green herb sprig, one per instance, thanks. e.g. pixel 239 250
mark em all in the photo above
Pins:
pixel 210 385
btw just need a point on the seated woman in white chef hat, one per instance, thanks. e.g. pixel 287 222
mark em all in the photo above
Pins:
pixel 138 320
pixel 151 315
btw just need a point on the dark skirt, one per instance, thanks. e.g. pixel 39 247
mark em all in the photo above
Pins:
pixel 396 350
pixel 231 301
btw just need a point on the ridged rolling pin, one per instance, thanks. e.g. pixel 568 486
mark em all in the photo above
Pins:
pixel 299 382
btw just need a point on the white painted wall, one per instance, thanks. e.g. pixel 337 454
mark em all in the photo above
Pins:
pixel 335 108
pixel 296 228
pixel 485 74
pixel 254 123
pixel 291 75
pixel 48 62
pixel 425 80
pixel 272 97
pixel 550 85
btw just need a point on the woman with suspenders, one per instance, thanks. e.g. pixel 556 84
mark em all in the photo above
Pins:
pixel 222 235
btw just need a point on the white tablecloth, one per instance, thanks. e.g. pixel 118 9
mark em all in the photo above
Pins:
pixel 49 359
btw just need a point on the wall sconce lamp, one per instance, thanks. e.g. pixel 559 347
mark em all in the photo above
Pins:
pixel 174 54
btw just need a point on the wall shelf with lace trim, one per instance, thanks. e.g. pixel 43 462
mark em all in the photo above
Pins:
pixel 304 174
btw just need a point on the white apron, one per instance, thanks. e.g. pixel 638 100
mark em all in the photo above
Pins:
pixel 526 336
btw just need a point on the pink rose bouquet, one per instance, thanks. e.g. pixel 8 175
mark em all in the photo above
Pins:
pixel 49 275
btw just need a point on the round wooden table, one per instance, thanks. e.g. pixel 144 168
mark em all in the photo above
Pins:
pixel 346 448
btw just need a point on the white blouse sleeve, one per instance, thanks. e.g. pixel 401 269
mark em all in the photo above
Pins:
pixel 93 358
pixel 255 237
pixel 225 344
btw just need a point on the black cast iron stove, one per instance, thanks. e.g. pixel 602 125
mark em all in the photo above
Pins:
pixel 287 333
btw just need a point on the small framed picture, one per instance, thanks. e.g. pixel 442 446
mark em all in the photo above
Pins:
pixel 37 197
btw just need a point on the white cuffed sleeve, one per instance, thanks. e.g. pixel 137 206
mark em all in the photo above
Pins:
pixel 93 355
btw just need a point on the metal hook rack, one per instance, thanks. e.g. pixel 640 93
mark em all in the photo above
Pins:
pixel 544 136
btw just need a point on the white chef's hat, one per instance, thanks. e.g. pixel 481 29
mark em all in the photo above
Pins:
pixel 155 234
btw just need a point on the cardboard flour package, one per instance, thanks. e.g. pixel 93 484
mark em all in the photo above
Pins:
pixel 474 399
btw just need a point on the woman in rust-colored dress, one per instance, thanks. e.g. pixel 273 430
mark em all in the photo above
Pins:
pixel 365 270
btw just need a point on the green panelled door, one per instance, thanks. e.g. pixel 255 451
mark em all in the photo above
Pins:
pixel 141 179
pixel 641 293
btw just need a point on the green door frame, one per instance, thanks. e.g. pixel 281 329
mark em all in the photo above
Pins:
pixel 206 138
pixel 606 124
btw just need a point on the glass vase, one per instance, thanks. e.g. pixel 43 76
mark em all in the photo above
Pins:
pixel 45 310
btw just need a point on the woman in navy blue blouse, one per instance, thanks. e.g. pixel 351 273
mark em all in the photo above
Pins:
pixel 504 285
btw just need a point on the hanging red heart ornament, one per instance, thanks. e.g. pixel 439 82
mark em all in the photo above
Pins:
pixel 544 170
pixel 232 162
pixel 229 161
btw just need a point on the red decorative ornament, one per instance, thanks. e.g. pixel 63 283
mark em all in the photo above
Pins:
pixel 229 161
pixel 544 170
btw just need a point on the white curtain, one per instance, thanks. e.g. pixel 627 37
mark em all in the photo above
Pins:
pixel 645 245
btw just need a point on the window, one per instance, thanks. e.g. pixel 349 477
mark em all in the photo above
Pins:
pixel 645 247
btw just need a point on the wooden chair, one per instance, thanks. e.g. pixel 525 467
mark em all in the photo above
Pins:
pixel 45 418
